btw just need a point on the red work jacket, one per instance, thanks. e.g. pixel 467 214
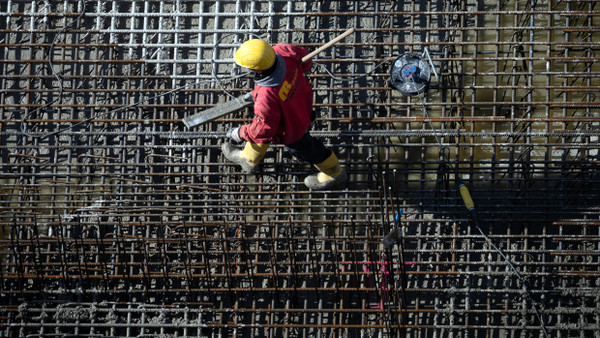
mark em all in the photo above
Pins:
pixel 282 113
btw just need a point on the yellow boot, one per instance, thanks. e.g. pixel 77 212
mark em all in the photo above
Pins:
pixel 331 173
pixel 249 157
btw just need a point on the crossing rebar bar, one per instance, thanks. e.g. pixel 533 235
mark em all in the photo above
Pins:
pixel 116 220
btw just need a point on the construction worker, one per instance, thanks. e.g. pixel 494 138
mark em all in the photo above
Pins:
pixel 282 113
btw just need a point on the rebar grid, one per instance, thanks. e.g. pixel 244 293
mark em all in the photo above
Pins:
pixel 118 221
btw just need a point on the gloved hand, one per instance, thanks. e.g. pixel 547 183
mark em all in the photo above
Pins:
pixel 234 135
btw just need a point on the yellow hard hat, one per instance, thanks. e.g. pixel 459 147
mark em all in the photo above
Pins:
pixel 255 54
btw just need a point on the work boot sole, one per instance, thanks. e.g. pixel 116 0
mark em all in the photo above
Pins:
pixel 312 181
pixel 233 155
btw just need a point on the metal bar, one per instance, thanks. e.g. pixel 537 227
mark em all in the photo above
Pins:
pixel 117 221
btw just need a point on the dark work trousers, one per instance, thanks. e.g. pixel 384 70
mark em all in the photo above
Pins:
pixel 309 149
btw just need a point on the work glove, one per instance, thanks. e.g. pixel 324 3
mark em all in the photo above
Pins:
pixel 234 135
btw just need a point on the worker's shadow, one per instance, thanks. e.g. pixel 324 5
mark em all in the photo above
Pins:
pixel 517 197
pixel 543 218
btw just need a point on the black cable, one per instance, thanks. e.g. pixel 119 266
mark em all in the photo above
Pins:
pixel 129 106
pixel 51 65
pixel 61 87
pixel 516 272
pixel 352 79
pixel 213 70
pixel 470 206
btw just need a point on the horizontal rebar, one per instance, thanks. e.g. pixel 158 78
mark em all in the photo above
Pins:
pixel 116 220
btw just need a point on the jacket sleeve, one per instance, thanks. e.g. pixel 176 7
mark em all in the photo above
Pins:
pixel 302 52
pixel 264 124
pixel 298 53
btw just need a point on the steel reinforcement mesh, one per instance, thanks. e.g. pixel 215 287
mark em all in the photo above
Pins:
pixel 117 220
